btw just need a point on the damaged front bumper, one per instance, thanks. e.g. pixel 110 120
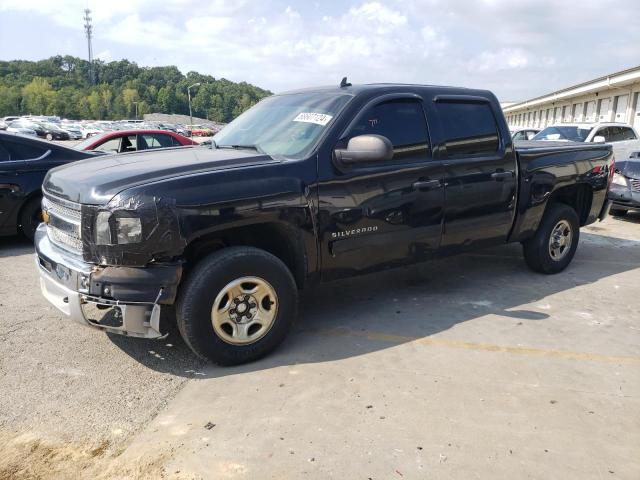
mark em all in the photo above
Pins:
pixel 122 300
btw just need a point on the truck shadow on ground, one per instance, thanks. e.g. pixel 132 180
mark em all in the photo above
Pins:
pixel 14 246
pixel 630 217
pixel 365 314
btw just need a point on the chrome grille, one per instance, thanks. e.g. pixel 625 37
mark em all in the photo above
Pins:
pixel 635 185
pixel 64 225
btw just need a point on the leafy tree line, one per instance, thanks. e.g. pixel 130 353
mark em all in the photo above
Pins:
pixel 60 86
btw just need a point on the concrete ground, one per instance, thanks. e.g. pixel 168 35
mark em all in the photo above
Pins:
pixel 469 367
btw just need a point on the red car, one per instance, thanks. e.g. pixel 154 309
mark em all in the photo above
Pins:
pixel 121 141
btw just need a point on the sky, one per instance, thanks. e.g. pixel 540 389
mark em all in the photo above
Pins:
pixel 517 48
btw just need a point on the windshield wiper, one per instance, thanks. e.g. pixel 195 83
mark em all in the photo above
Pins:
pixel 243 147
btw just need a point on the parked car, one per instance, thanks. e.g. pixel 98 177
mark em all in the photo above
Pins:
pixel 3 125
pixel 121 141
pixel 9 119
pixel 524 133
pixel 625 187
pixel 74 130
pixel 304 187
pixel 29 125
pixel 21 130
pixel 183 130
pixel 622 137
pixel 199 131
pixel 23 164
pixel 53 132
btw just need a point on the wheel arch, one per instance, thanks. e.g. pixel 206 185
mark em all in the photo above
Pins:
pixel 35 194
pixel 578 196
pixel 278 238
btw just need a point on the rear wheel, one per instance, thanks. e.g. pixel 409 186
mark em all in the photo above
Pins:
pixel 553 246
pixel 49 137
pixel 618 212
pixel 30 217
pixel 237 305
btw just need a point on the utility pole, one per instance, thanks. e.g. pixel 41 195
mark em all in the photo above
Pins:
pixel 88 30
pixel 189 95
pixel 136 104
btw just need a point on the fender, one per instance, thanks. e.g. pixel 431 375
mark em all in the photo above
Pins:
pixel 180 211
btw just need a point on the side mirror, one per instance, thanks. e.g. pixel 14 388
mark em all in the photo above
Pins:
pixel 365 149
pixel 599 139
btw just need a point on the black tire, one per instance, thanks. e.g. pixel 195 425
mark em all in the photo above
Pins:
pixel 618 212
pixel 30 217
pixel 209 278
pixel 537 252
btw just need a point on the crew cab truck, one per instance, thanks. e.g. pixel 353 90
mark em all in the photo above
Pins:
pixel 306 186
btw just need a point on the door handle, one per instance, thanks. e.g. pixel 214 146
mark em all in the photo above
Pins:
pixel 426 184
pixel 500 176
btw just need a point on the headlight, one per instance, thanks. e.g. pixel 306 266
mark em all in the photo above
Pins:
pixel 619 180
pixel 117 228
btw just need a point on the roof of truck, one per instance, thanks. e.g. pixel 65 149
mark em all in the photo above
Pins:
pixel 371 87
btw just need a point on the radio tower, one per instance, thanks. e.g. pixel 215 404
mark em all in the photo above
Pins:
pixel 88 30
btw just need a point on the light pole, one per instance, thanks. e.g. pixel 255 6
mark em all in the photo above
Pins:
pixel 189 95
pixel 136 104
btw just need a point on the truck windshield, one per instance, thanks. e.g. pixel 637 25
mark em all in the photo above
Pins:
pixel 283 125
pixel 564 133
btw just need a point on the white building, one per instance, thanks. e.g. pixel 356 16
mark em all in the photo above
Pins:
pixel 612 98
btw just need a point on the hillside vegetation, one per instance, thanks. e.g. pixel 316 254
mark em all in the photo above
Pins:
pixel 60 86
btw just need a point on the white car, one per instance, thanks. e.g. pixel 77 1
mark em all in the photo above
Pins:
pixel 623 138
pixel 22 130
pixel 90 131
pixel 523 133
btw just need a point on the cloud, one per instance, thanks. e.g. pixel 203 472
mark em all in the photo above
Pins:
pixel 105 56
pixel 518 49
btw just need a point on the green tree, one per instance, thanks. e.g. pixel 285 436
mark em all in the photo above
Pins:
pixel 9 100
pixel 60 85
pixel 38 96
pixel 129 98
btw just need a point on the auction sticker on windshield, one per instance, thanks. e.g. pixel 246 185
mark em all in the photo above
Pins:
pixel 317 118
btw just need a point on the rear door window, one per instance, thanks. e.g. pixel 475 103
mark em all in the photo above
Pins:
pixel 155 140
pixel 24 151
pixel 624 133
pixel 470 129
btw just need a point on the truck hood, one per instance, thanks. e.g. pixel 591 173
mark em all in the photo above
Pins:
pixel 96 181
pixel 629 168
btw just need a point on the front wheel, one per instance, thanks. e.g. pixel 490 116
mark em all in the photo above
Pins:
pixel 237 305
pixel 553 246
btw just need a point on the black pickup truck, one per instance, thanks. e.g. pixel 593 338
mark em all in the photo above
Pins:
pixel 306 186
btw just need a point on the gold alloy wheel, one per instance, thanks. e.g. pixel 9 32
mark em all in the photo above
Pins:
pixel 560 240
pixel 244 310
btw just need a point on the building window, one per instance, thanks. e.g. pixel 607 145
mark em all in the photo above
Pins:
pixel 591 112
pixel 577 113
pixel 603 110
pixel 622 101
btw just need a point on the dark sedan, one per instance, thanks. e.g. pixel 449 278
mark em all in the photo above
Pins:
pixel 47 130
pixel 24 162
pixel 625 187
